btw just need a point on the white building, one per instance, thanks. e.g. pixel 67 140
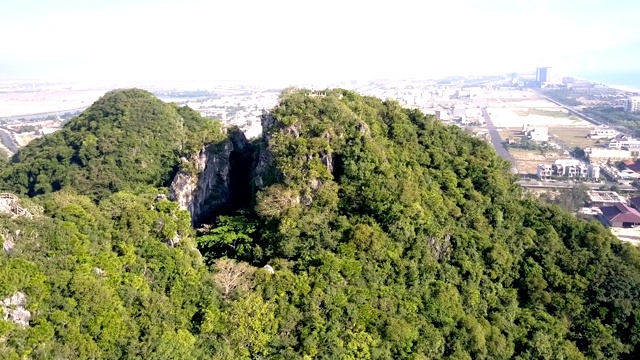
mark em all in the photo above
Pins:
pixel 623 143
pixel 608 154
pixel 629 144
pixel 544 171
pixel 567 162
pixel 571 168
pixel 543 75
pixel 442 115
pixel 632 104
pixel 540 133
pixel 594 171
pixel 603 132
pixel 572 171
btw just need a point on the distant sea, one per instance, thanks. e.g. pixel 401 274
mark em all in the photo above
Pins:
pixel 629 79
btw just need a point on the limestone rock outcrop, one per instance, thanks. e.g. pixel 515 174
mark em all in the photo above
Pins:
pixel 15 310
pixel 211 180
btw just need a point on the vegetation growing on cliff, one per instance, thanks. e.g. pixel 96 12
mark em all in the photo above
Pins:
pixel 391 236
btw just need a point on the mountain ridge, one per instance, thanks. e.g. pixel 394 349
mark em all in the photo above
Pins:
pixel 388 235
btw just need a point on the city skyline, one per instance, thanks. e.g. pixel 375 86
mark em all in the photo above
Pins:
pixel 245 40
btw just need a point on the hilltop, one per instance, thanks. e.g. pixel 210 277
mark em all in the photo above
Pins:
pixel 352 228
pixel 127 138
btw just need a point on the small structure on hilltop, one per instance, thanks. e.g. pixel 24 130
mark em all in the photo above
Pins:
pixel 315 93
pixel 10 204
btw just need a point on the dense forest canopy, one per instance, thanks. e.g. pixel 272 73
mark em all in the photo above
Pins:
pixel 387 235
pixel 128 138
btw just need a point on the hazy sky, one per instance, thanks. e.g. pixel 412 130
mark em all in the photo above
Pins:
pixel 328 39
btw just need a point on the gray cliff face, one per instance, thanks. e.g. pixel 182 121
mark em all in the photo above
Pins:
pixel 263 171
pixel 208 189
pixel 262 168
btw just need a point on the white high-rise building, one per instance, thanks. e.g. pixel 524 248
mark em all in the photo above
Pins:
pixel 594 171
pixel 543 75
pixel 632 104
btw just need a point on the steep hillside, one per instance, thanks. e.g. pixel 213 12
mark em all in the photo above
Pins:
pixel 117 280
pixel 357 230
pixel 399 237
pixel 126 139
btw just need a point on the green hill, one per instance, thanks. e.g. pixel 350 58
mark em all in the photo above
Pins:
pixel 388 235
pixel 126 139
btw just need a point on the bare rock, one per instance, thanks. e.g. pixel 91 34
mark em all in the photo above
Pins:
pixel 315 184
pixel 267 121
pixel 7 241
pixel 306 199
pixel 10 204
pixel 364 128
pixel 269 269
pixel 14 309
pixel 293 130
pixel 193 191
pixel 174 242
pixel 327 160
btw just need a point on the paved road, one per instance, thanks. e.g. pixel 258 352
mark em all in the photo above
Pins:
pixel 496 141
pixel 566 184
pixel 8 141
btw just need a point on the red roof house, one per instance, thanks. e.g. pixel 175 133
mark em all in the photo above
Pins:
pixel 633 166
pixel 619 215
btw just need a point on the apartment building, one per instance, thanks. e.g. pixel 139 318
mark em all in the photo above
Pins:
pixel 603 132
pixel 632 104
pixel 570 168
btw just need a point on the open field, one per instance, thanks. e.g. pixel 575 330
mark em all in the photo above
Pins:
pixel 630 235
pixel 25 138
pixel 510 133
pixel 511 110
pixel 542 112
pixel 38 102
pixel 515 108
pixel 526 161
pixel 517 117
pixel 573 136
pixel 4 152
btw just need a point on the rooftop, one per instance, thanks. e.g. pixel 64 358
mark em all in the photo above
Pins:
pixel 605 196
pixel 620 213
pixel 635 202
pixel 633 166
